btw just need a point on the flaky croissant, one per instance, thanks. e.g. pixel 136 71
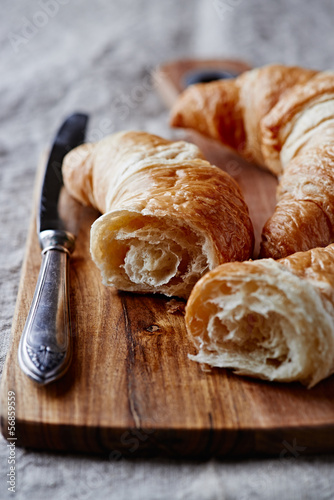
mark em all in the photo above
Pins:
pixel 282 118
pixel 169 216
pixel 268 319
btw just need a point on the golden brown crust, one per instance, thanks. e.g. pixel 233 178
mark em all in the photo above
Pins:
pixel 101 164
pixel 280 120
pixel 158 196
pixel 231 110
pixel 288 121
pixel 296 226
pixel 212 110
pixel 80 186
pixel 316 266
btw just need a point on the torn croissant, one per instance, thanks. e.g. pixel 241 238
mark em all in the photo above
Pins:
pixel 282 118
pixel 268 319
pixel 169 216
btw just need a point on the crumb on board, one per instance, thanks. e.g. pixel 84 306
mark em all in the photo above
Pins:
pixel 205 368
pixel 175 306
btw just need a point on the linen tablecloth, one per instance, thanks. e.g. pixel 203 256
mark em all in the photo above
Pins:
pixel 58 56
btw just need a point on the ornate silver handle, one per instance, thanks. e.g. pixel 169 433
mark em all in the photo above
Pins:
pixel 45 349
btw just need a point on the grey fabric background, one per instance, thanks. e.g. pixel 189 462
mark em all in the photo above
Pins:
pixel 58 56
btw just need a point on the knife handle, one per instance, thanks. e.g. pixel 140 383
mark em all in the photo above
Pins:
pixel 45 349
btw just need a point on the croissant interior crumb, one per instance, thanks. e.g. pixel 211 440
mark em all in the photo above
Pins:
pixel 147 252
pixel 260 321
pixel 249 333
pixel 252 334
pixel 151 264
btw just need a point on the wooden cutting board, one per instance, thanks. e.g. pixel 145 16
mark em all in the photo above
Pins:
pixel 131 389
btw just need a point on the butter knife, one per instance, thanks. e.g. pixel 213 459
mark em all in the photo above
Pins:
pixel 45 349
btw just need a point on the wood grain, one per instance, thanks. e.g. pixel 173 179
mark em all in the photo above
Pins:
pixel 131 389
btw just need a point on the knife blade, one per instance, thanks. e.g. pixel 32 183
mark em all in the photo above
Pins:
pixel 45 349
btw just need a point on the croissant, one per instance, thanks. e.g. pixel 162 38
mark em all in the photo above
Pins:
pixel 168 215
pixel 271 319
pixel 282 118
